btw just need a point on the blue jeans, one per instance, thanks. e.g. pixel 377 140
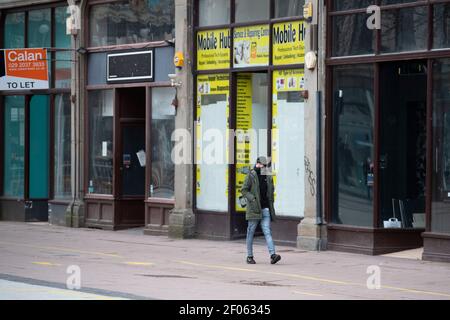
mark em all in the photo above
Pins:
pixel 265 226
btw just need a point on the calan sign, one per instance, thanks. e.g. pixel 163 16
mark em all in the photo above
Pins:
pixel 23 69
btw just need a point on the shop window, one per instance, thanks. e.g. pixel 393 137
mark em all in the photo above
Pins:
pixel 251 124
pixel 351 36
pixel 353 149
pixel 39 28
pixel 163 125
pixel 248 10
pixel 14 32
pixel 100 104
pixel 341 5
pixel 404 29
pixel 39 146
pixel 214 12
pixel 288 136
pixel 63 58
pixel 441 28
pixel 288 149
pixel 212 122
pixel 440 218
pixel 62 147
pixel 14 146
pixel 132 22
pixel 288 8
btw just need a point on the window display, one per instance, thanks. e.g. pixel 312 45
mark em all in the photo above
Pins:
pixel 212 122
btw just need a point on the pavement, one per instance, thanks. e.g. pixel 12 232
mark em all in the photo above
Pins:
pixel 44 262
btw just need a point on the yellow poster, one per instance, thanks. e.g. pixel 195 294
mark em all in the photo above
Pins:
pixel 213 49
pixel 288 80
pixel 213 84
pixel 251 46
pixel 243 125
pixel 288 43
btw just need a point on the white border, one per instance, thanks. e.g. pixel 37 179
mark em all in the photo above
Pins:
pixel 129 54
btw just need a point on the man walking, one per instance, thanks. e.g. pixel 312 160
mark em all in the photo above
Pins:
pixel 258 190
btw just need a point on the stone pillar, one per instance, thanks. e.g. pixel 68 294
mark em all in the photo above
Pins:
pixel 75 210
pixel 182 219
pixel 312 230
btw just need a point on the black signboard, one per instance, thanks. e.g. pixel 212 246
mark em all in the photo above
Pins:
pixel 130 66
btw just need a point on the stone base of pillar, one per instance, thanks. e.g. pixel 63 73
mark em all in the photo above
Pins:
pixel 181 224
pixel 311 237
pixel 75 215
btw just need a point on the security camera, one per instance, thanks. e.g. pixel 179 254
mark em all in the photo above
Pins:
pixel 173 80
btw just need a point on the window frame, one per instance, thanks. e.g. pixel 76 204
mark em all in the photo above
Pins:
pixel 430 55
pixel 51 92
pixel 377 55
pixel 233 72
pixel 87 34
pixel 148 151
pixel 52 147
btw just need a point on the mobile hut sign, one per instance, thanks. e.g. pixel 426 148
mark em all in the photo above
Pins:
pixel 23 69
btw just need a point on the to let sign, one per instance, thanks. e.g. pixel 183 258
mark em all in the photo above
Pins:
pixel 23 69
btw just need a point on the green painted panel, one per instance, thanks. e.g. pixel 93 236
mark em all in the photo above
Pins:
pixel 39 146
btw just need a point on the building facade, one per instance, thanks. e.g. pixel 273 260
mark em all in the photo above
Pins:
pixel 386 180
pixel 353 119
pixel 249 101
pixel 36 123
pixel 129 116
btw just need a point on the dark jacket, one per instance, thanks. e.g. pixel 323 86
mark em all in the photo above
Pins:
pixel 250 190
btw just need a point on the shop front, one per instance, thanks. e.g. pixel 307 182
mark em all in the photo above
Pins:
pixel 35 113
pixel 249 102
pixel 129 115
pixel 386 149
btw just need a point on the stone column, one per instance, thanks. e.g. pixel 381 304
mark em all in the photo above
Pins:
pixel 75 210
pixel 312 230
pixel 182 219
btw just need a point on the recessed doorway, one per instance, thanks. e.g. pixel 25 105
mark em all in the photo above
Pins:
pixel 402 159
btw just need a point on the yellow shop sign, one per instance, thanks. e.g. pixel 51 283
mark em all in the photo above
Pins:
pixel 213 49
pixel 289 43
pixel 251 46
